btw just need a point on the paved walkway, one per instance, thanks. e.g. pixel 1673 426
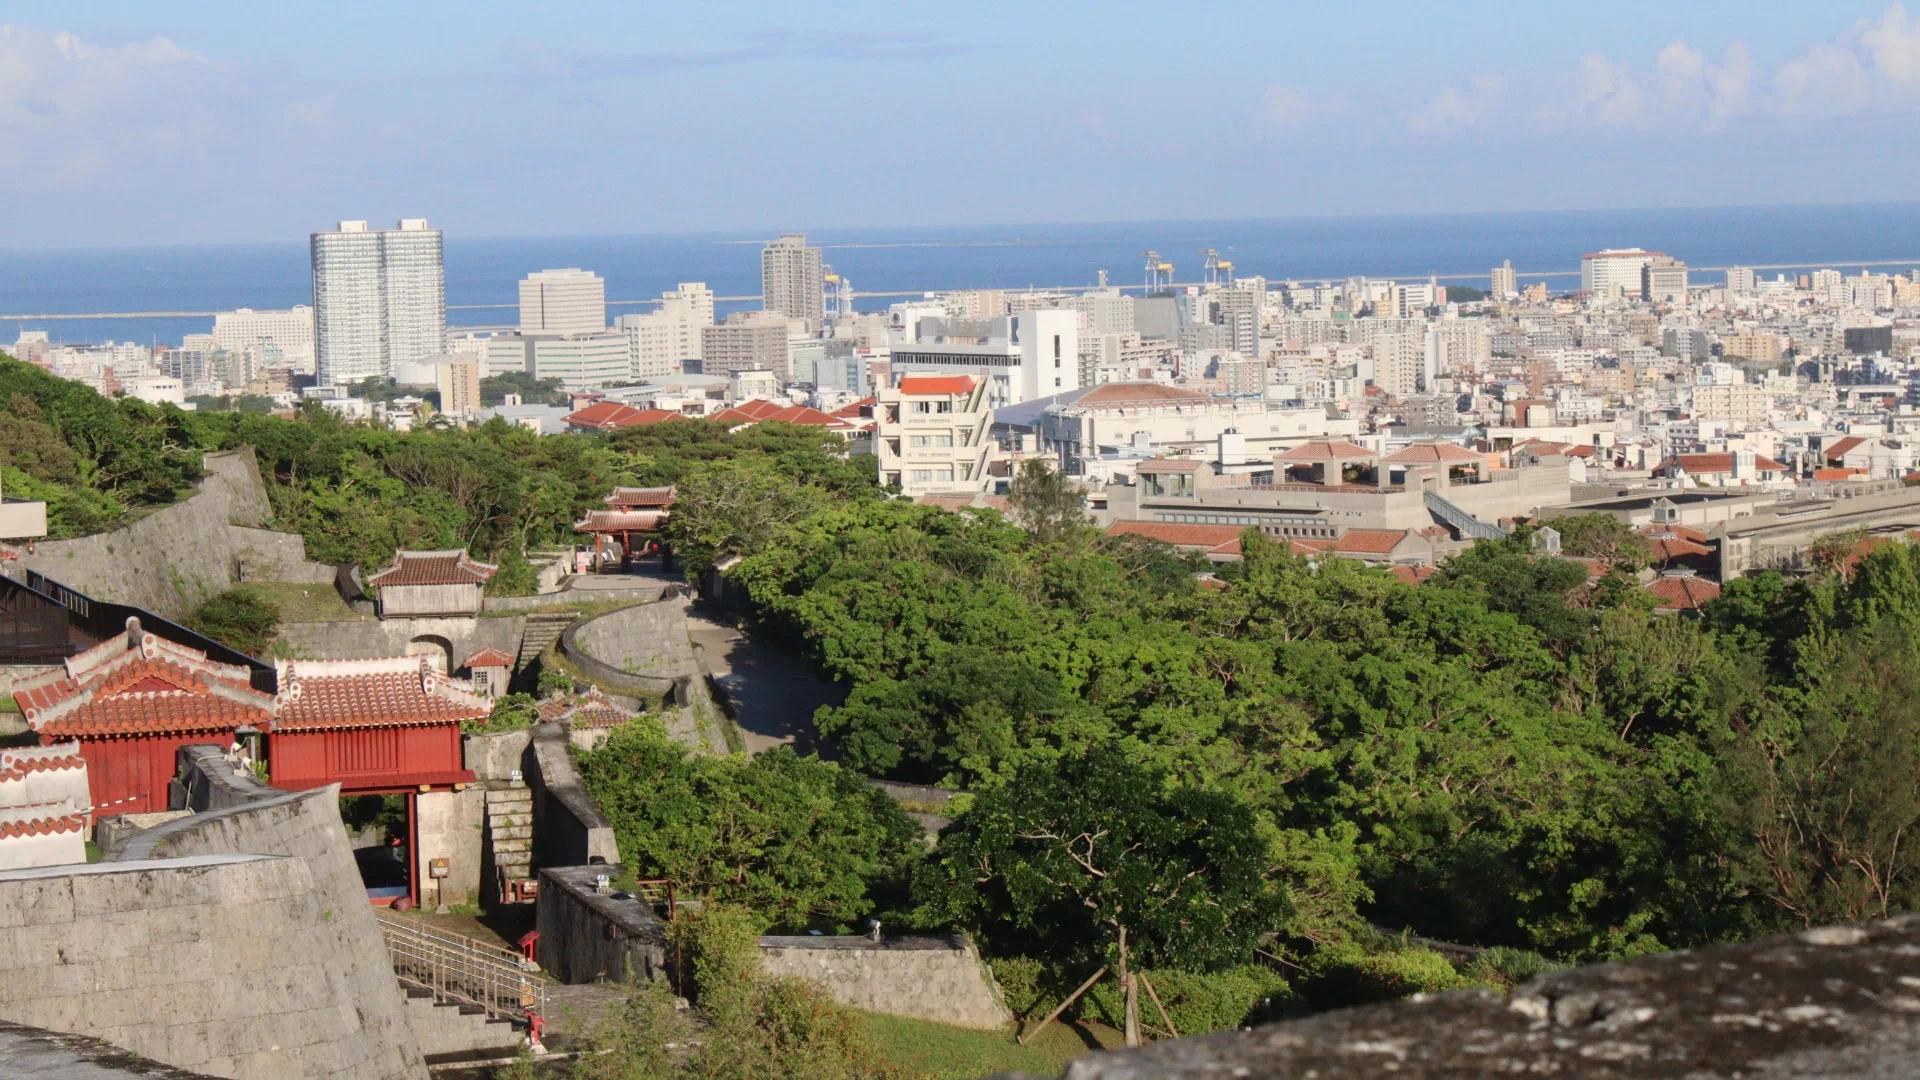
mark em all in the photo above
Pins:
pixel 774 694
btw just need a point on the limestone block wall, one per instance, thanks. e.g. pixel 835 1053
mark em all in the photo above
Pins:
pixel 175 557
pixel 225 964
pixel 305 827
pixel 450 824
pixel 568 828
pixel 496 757
pixel 941 979
pixel 587 937
pixel 645 639
pixel 356 639
pixel 265 555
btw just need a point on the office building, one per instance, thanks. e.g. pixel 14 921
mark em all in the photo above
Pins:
pixel 792 278
pixel 1020 357
pixel 1664 281
pixel 1399 363
pixel 1869 340
pixel 1616 271
pixel 579 361
pixel 272 338
pixel 1505 284
pixel 748 340
pixel 661 342
pixel 379 297
pixel 458 380
pixel 1740 281
pixel 569 301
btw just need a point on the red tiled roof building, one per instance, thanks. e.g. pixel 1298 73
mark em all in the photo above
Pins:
pixel 372 726
pixel 131 702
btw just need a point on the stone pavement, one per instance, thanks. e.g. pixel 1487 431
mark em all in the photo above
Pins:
pixel 773 693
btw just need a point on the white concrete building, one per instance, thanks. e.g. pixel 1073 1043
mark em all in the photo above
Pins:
pixel 579 361
pixel 931 434
pixel 269 338
pixel 1616 271
pixel 1019 357
pixel 379 296
pixel 566 301
pixel 458 380
pixel 792 279
pixel 1173 420
pixel 1505 282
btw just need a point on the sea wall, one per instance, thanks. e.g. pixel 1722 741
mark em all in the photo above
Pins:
pixel 171 559
pixel 225 964
pixel 941 979
pixel 344 955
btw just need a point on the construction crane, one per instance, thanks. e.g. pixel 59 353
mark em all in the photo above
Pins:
pixel 1219 270
pixel 837 296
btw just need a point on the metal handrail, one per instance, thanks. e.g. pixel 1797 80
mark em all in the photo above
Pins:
pixel 457 968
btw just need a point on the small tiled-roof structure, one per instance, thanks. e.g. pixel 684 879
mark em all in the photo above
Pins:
pixel 1837 474
pixel 490 657
pixel 392 691
pixel 1369 541
pixel 1682 592
pixel 20 762
pixel 1327 450
pixel 1839 449
pixel 452 566
pixel 640 498
pixel 590 710
pixel 1125 395
pixel 1438 452
pixel 936 384
pixel 138 683
pixel 612 521
pixel 857 410
pixel 1668 548
pixel 1712 464
pixel 1413 575
pixel 756 412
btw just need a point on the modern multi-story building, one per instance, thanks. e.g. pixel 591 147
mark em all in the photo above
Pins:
pixel 1616 271
pixel 569 301
pixel 1019 357
pixel 1740 281
pixel 379 298
pixel 458 380
pixel 748 340
pixel 1664 281
pixel 792 279
pixel 1505 282
pixel 274 338
pixel 662 341
pixel 1110 419
pixel 931 434
pixel 579 361
pixel 1399 363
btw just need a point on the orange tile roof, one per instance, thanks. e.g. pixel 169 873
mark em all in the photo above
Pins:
pixel 135 683
pixel 1663 530
pixel 1668 549
pixel 936 384
pixel 1327 450
pixel 1181 534
pixel 1838 450
pixel 1707 464
pixel 620 521
pixel 22 825
pixel 490 657
pixel 1121 395
pixel 853 411
pixel 1413 575
pixel 1682 593
pixel 450 567
pixel 755 412
pixel 1169 465
pixel 613 415
pixel 1369 541
pixel 1438 452
pixel 1837 474
pixel 17 763
pixel 396 691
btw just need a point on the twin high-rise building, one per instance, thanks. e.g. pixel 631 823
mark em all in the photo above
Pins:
pixel 793 279
pixel 379 299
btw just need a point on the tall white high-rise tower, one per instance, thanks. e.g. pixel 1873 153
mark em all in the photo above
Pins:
pixel 379 299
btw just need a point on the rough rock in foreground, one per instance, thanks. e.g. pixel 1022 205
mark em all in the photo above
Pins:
pixel 1840 1001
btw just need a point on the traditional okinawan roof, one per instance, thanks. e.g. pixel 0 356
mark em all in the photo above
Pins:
pixel 1126 395
pixel 1214 539
pixel 1544 448
pixel 1839 450
pixel 1327 450
pixel 590 710
pixel 450 567
pixel 16 763
pixel 937 384
pixel 1666 549
pixel 394 691
pixel 1438 452
pixel 620 521
pixel 639 498
pixel 1413 575
pixel 858 410
pixel 1369 541
pixel 613 415
pixel 41 819
pixel 490 657
pixel 136 683
pixel 1169 465
pixel 756 412
pixel 1677 592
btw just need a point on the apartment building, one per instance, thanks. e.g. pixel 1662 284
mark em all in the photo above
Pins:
pixel 931 434
pixel 747 340
pixel 1019 357
pixel 379 299
pixel 567 301
pixel 793 279
pixel 1173 420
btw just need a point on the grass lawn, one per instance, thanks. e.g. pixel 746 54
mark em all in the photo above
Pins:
pixel 925 1048
pixel 305 603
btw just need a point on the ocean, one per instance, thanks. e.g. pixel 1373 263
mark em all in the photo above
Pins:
pixel 1459 247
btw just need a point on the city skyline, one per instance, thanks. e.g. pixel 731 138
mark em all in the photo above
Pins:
pixel 1085 115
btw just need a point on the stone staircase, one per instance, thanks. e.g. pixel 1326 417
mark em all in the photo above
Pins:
pixel 543 629
pixel 448 1030
pixel 510 829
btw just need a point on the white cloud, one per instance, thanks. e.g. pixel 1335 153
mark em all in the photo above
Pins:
pixel 75 109
pixel 1894 44
pixel 1826 81
pixel 1457 107
pixel 1282 106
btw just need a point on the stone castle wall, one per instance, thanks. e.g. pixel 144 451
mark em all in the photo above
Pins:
pixel 940 979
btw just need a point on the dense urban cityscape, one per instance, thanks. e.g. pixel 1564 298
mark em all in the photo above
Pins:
pixel 1324 543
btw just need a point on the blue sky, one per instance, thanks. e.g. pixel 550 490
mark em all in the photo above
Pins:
pixel 163 122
